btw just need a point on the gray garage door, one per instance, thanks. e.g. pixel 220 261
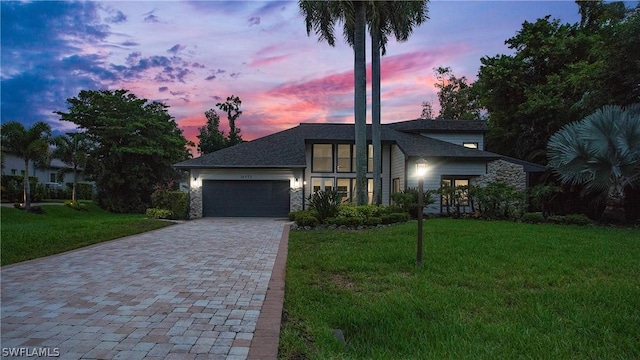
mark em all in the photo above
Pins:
pixel 260 198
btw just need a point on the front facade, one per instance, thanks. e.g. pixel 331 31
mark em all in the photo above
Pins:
pixel 273 175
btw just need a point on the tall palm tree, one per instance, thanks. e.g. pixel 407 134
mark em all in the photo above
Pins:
pixel 321 17
pixel 30 144
pixel 384 18
pixel 602 152
pixel 72 150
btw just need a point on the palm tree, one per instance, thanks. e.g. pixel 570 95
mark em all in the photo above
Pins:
pixel 602 152
pixel 384 18
pixel 72 150
pixel 322 16
pixel 30 144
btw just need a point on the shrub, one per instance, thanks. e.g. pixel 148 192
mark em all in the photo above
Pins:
pixel 75 205
pixel 407 201
pixel 373 221
pixel 178 205
pixel 156 213
pixel 84 191
pixel 298 216
pixel 307 220
pixel 393 218
pixel 533 218
pixel 325 202
pixel 577 219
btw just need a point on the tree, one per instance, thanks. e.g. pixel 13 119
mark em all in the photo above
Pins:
pixel 30 144
pixel 135 142
pixel 384 18
pixel 602 152
pixel 211 137
pixel 457 98
pixel 322 16
pixel 558 74
pixel 72 150
pixel 427 110
pixel 232 108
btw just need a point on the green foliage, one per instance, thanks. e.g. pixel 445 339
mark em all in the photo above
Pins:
pixel 497 200
pixel 601 152
pixel 76 205
pixel 457 98
pixel 393 218
pixel 136 144
pixel 211 138
pixel 232 108
pixel 307 220
pixel 533 218
pixel 559 73
pixel 571 219
pixel 155 213
pixel 325 202
pixel 30 144
pixel 176 202
pixel 407 201
pixel 73 150
pixel 83 191
pixel 297 216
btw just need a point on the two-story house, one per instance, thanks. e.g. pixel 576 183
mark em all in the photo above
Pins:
pixel 273 175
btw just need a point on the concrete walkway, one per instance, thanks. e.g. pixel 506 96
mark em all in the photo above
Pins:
pixel 188 291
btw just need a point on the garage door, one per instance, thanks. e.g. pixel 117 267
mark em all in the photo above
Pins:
pixel 260 198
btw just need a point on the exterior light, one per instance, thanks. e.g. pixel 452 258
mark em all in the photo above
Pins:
pixel 421 170
pixel 421 167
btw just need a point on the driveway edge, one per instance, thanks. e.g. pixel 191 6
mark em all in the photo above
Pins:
pixel 264 345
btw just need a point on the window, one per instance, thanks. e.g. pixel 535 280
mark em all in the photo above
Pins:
pixel 395 185
pixel 320 184
pixel 344 158
pixel 52 177
pixel 347 190
pixel 455 194
pixel 369 158
pixel 22 172
pixel 13 171
pixel 322 158
pixel 470 145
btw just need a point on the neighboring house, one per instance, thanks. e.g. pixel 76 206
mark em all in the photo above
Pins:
pixel 272 175
pixel 14 165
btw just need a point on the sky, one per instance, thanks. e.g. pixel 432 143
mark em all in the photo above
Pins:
pixel 191 55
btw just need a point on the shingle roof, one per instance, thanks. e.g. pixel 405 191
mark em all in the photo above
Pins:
pixel 286 149
pixel 440 125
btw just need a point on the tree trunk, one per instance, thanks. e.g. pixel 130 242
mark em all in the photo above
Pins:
pixel 614 209
pixel 27 187
pixel 360 101
pixel 375 116
pixel 75 182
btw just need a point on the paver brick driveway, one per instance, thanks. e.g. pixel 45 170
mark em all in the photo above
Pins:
pixel 192 290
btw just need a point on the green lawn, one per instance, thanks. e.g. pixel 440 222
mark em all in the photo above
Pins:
pixel 487 290
pixel 27 236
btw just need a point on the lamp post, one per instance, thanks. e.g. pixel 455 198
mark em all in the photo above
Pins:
pixel 421 170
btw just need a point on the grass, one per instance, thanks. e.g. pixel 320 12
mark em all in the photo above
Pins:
pixel 487 290
pixel 28 236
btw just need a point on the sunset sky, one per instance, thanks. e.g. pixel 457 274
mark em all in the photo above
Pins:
pixel 192 54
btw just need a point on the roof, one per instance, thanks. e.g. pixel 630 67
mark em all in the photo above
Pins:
pixel 286 149
pixel 420 125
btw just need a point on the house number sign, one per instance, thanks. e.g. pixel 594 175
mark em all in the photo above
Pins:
pixel 245 177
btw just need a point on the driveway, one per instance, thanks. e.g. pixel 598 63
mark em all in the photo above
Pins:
pixel 193 290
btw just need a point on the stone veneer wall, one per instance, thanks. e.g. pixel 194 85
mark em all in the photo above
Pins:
pixel 195 207
pixel 295 196
pixel 505 172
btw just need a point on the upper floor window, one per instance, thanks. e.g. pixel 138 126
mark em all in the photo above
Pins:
pixel 345 158
pixel 322 158
pixel 470 145
pixel 52 177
